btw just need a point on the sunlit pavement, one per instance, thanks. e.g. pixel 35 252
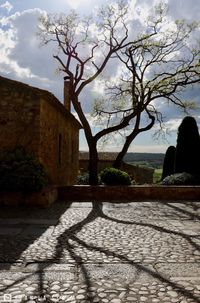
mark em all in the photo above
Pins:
pixel 84 252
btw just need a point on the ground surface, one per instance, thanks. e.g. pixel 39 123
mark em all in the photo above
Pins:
pixel 133 252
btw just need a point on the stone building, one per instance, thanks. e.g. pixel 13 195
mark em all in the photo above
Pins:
pixel 37 120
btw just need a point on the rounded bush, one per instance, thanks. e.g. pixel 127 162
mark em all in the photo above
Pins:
pixel 182 179
pixel 19 171
pixel 113 176
pixel 83 179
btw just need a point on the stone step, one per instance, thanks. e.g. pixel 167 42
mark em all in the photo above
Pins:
pixel 127 273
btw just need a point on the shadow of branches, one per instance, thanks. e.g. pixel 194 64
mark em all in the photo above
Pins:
pixel 191 215
pixel 68 241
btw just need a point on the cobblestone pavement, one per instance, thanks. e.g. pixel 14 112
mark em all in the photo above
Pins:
pixel 109 253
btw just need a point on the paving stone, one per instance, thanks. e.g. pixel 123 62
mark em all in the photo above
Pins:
pixel 172 294
pixel 30 289
pixel 80 297
pixel 143 299
pixel 55 287
pixel 116 301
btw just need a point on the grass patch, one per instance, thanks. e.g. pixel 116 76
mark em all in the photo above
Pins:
pixel 157 175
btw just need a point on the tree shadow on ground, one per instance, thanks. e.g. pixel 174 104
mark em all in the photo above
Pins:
pixel 162 229
pixel 191 215
pixel 22 227
pixel 68 240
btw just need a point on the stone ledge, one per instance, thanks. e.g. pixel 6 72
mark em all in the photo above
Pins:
pixel 86 193
pixel 43 198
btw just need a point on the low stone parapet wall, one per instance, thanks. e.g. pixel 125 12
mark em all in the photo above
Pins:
pixel 43 198
pixel 117 194
pixel 85 193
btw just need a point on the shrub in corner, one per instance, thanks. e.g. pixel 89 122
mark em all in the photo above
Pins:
pixel 20 171
pixel 113 176
pixel 181 179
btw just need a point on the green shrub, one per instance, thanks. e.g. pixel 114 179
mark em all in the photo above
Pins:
pixel 181 179
pixel 19 171
pixel 83 179
pixel 113 176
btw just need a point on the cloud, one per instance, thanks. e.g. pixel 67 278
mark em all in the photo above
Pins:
pixel 182 9
pixel 77 3
pixel 20 55
pixel 173 124
pixel 114 144
pixel 155 148
pixel 7 6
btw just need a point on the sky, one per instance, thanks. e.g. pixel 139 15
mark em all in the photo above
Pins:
pixel 23 59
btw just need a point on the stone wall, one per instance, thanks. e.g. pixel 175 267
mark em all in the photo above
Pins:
pixel 19 116
pixel 141 175
pixel 124 194
pixel 43 198
pixel 58 148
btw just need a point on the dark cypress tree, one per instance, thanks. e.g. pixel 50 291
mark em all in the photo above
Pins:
pixel 169 162
pixel 187 157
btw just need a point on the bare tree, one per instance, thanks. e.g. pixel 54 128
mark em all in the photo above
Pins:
pixel 85 47
pixel 156 69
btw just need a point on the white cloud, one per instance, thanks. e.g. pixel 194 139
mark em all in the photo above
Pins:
pixel 7 45
pixel 77 3
pixel 189 10
pixel 114 146
pixel 20 55
pixel 7 6
pixel 156 148
pixel 173 124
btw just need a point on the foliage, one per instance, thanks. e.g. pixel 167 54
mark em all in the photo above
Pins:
pixel 169 162
pixel 182 179
pixel 113 176
pixel 188 147
pixel 19 171
pixel 83 179
pixel 157 175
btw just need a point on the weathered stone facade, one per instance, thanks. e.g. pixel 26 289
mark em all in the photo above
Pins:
pixel 35 119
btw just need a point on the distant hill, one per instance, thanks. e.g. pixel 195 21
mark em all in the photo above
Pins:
pixel 142 159
pixel 145 159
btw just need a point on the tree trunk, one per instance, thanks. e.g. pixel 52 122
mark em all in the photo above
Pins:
pixel 93 164
pixel 92 142
pixel 119 160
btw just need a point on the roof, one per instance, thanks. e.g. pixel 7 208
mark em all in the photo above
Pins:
pixel 40 93
pixel 103 156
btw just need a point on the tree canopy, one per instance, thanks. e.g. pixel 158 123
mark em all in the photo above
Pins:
pixel 141 63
